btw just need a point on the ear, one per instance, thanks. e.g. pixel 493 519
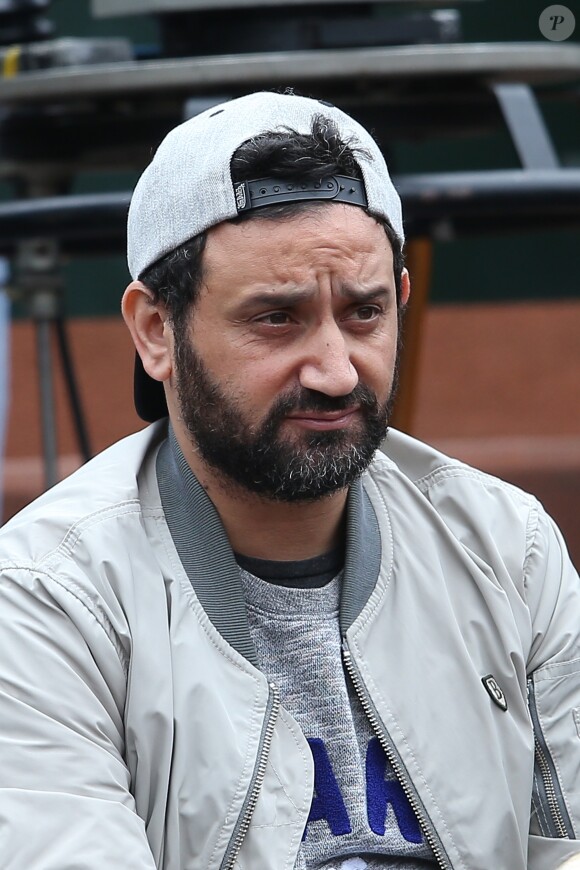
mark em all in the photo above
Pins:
pixel 405 287
pixel 149 330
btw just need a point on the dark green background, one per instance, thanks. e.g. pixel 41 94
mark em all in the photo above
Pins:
pixel 535 265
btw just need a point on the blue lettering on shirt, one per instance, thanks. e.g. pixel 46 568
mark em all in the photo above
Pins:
pixel 328 802
pixel 381 793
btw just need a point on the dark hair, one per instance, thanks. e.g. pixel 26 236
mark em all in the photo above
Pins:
pixel 175 279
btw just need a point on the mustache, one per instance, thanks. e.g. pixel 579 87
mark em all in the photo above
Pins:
pixel 311 400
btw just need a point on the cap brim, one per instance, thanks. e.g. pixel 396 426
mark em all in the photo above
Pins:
pixel 149 395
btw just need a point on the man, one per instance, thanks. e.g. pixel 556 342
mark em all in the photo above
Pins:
pixel 245 637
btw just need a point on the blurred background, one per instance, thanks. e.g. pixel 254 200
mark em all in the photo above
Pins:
pixel 476 104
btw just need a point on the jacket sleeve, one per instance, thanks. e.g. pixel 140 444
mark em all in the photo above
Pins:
pixel 65 799
pixel 553 594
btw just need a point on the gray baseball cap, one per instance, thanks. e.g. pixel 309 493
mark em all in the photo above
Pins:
pixel 187 188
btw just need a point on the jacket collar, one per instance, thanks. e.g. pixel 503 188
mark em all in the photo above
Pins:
pixel 207 558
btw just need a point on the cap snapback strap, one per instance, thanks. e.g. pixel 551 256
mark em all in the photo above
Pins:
pixel 274 191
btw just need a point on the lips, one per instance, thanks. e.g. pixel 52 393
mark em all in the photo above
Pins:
pixel 324 419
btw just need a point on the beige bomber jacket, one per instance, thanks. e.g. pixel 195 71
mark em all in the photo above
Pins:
pixel 137 731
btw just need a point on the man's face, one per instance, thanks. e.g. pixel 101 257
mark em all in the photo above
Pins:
pixel 285 372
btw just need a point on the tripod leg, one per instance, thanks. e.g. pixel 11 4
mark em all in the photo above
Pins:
pixel 47 416
pixel 72 388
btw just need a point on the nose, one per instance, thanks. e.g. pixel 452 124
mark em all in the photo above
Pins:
pixel 327 367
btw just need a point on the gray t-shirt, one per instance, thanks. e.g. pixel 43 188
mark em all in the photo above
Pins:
pixel 360 817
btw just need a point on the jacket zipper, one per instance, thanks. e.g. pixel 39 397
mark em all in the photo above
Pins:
pixel 396 763
pixel 245 817
pixel 552 794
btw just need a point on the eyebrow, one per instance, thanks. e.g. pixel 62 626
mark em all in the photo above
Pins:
pixel 291 298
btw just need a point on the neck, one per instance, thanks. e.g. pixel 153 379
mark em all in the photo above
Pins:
pixel 268 529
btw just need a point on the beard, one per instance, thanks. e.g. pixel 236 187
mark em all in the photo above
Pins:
pixel 259 459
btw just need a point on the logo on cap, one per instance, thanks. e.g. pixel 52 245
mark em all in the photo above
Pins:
pixel 240 194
